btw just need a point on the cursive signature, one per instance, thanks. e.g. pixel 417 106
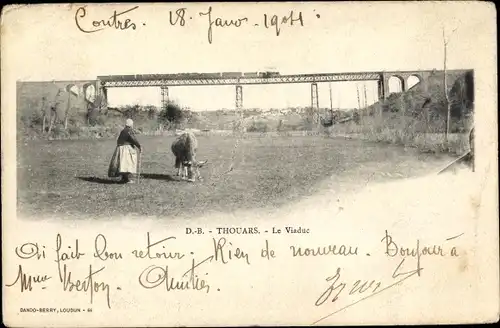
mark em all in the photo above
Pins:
pixel 112 21
pixel 340 286
pixel 367 288
pixel 25 280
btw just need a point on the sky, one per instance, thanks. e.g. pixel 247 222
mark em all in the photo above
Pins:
pixel 45 43
pixel 344 95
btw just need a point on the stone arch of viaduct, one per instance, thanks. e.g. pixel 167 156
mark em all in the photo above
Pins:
pixel 56 96
pixel 403 78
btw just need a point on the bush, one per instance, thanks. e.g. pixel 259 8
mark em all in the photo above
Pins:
pixel 74 131
pixel 172 114
pixel 258 127
pixel 58 132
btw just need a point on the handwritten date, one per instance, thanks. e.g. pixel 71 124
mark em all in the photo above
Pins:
pixel 180 17
pixel 270 21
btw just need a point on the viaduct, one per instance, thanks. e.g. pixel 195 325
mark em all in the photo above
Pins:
pixel 89 89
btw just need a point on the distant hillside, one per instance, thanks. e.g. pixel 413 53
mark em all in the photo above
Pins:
pixel 417 117
pixel 288 119
pixel 429 104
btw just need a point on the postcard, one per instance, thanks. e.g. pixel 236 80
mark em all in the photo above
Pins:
pixel 249 164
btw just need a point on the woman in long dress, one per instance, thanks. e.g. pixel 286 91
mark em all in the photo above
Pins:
pixel 124 160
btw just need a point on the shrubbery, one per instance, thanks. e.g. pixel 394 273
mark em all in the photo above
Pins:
pixel 257 126
pixel 417 118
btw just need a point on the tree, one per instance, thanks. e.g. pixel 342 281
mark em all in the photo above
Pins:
pixel 462 95
pixel 131 111
pixel 95 108
pixel 44 115
pixel 355 117
pixel 53 116
pixel 172 113
pixel 447 99
pixel 66 114
pixel 152 111
pixel 280 126
pixel 69 91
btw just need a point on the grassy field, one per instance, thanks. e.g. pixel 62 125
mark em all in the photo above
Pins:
pixel 68 178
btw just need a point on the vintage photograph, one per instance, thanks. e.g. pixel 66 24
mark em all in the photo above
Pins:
pixel 157 145
pixel 249 164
